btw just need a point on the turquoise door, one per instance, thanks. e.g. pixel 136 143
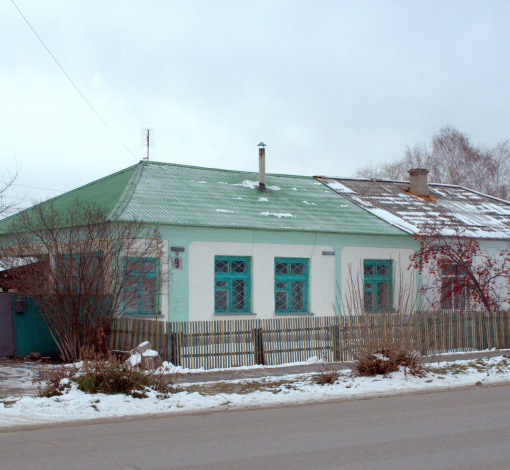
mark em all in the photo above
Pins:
pixel 31 332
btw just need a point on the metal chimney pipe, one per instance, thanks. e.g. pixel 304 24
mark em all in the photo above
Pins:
pixel 262 166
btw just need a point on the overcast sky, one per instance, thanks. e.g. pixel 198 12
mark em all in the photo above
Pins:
pixel 328 86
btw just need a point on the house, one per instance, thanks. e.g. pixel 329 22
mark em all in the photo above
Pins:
pixel 409 205
pixel 240 244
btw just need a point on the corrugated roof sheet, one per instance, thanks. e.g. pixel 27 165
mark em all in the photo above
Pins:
pixel 479 215
pixel 204 197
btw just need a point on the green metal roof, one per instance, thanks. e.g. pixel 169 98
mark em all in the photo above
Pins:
pixel 170 194
pixel 105 192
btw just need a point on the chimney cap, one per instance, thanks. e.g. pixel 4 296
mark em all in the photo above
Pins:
pixel 418 171
pixel 262 144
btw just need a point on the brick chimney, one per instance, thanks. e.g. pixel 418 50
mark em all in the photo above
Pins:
pixel 418 181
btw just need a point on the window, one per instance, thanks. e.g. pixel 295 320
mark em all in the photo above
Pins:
pixel 232 284
pixel 291 285
pixel 453 290
pixel 81 271
pixel 377 276
pixel 141 286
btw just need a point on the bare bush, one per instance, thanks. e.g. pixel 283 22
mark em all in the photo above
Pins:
pixel 100 373
pixel 384 341
pixel 378 350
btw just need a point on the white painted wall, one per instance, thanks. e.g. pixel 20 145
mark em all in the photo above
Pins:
pixel 352 260
pixel 201 276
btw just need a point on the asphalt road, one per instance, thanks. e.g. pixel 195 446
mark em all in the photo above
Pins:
pixel 462 429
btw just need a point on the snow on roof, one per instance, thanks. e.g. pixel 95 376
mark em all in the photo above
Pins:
pixel 479 215
pixel 14 262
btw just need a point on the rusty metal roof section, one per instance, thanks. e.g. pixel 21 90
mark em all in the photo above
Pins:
pixel 479 215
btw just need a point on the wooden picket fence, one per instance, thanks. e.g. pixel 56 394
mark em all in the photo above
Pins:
pixel 231 343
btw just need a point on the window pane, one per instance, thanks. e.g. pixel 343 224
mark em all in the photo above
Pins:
pixel 148 294
pixel 221 267
pixel 239 294
pixel 383 270
pixel 131 296
pixel 369 300
pixel 298 295
pixel 281 301
pixel 132 266
pixel 281 285
pixel 221 300
pixel 239 266
pixel 70 264
pixel 148 266
pixel 221 283
pixel 369 270
pixel 282 268
pixel 446 294
pixel 383 295
pixel 460 299
pixel 298 268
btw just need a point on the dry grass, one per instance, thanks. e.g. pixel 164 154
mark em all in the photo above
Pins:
pixel 239 388
pixel 479 365
pixel 328 374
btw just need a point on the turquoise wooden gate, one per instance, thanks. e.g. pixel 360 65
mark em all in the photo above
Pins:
pixel 31 332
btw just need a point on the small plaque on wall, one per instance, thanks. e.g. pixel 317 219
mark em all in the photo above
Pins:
pixel 176 248
pixel 177 262
pixel 328 253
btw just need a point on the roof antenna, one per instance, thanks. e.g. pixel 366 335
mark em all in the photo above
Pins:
pixel 148 139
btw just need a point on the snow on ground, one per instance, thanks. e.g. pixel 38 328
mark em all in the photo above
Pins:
pixel 18 375
pixel 236 394
pixel 201 370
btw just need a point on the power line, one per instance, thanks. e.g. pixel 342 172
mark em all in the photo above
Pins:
pixel 69 78
pixel 37 187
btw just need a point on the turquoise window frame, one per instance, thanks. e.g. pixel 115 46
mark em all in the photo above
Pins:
pixel 140 276
pixel 226 278
pixel 376 274
pixel 285 285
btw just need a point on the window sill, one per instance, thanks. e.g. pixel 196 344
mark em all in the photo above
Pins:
pixel 142 317
pixel 233 314
pixel 294 314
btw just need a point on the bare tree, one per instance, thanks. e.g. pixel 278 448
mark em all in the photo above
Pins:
pixel 460 273
pixel 6 183
pixel 452 159
pixel 82 270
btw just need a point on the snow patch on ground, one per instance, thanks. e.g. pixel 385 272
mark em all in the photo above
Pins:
pixel 295 389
